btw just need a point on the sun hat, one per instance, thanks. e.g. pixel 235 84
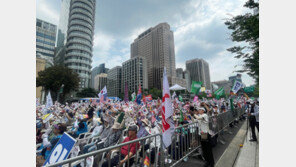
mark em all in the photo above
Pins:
pixel 116 125
pixel 133 128
pixel 145 121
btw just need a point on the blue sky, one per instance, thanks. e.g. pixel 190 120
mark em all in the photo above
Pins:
pixel 198 27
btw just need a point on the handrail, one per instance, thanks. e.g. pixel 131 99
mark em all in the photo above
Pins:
pixel 100 151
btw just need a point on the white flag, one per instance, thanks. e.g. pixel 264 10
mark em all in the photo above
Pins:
pixel 174 95
pixel 236 86
pixel 49 102
pixel 167 112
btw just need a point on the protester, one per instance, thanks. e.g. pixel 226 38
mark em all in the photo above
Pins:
pixel 253 110
pixel 205 137
pixel 105 122
pixel 124 154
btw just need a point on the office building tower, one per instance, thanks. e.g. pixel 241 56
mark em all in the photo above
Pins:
pixel 227 85
pixel 156 45
pixel 45 38
pixel 97 70
pixel 186 76
pixel 237 77
pixel 62 33
pixel 114 81
pixel 100 81
pixel 75 37
pixel 179 73
pixel 134 73
pixel 199 71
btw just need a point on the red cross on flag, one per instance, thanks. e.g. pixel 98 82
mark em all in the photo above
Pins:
pixel 167 112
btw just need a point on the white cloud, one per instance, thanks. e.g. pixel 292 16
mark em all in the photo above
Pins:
pixel 223 66
pixel 46 13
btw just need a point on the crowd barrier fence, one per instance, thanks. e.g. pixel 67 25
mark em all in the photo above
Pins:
pixel 185 141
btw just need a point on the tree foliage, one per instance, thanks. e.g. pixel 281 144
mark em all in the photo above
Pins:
pixel 155 93
pixel 245 29
pixel 87 92
pixel 53 77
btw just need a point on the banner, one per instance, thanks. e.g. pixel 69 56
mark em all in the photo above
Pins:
pixel 61 150
pixel 249 89
pixel 202 89
pixel 236 86
pixel 180 98
pixel 219 92
pixel 195 87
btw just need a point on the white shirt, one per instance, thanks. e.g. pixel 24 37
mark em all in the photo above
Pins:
pixel 97 131
pixel 155 130
pixel 203 122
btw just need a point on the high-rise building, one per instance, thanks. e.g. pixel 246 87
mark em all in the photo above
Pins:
pixel 179 73
pixel 75 37
pixel 134 72
pixel 100 81
pixel 199 71
pixel 114 81
pixel 62 33
pixel 186 76
pixel 227 85
pixel 95 71
pixel 156 45
pixel 45 38
pixel 237 77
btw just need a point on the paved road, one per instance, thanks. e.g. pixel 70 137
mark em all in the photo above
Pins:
pixel 217 150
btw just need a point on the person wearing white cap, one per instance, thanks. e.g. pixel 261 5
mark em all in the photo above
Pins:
pixel 203 122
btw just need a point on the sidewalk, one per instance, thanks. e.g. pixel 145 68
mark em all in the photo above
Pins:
pixel 249 153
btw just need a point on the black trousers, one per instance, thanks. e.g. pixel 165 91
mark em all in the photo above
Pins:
pixel 253 124
pixel 206 146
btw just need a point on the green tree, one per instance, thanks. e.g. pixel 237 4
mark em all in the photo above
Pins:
pixel 87 92
pixel 54 77
pixel 245 29
pixel 155 93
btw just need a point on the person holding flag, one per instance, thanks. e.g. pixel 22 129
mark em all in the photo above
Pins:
pixel 103 95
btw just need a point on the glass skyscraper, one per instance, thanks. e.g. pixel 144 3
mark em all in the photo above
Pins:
pixel 75 37
pixel 45 39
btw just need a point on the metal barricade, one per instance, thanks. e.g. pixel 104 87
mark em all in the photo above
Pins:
pixel 185 141
pixel 137 158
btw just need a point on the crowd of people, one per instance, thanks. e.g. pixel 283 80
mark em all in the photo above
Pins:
pixel 114 122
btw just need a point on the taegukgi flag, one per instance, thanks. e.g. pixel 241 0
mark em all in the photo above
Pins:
pixel 166 113
pixel 103 94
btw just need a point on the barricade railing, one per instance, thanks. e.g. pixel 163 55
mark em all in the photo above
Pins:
pixel 136 158
pixel 185 141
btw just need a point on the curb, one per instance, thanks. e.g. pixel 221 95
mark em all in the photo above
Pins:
pixel 229 156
